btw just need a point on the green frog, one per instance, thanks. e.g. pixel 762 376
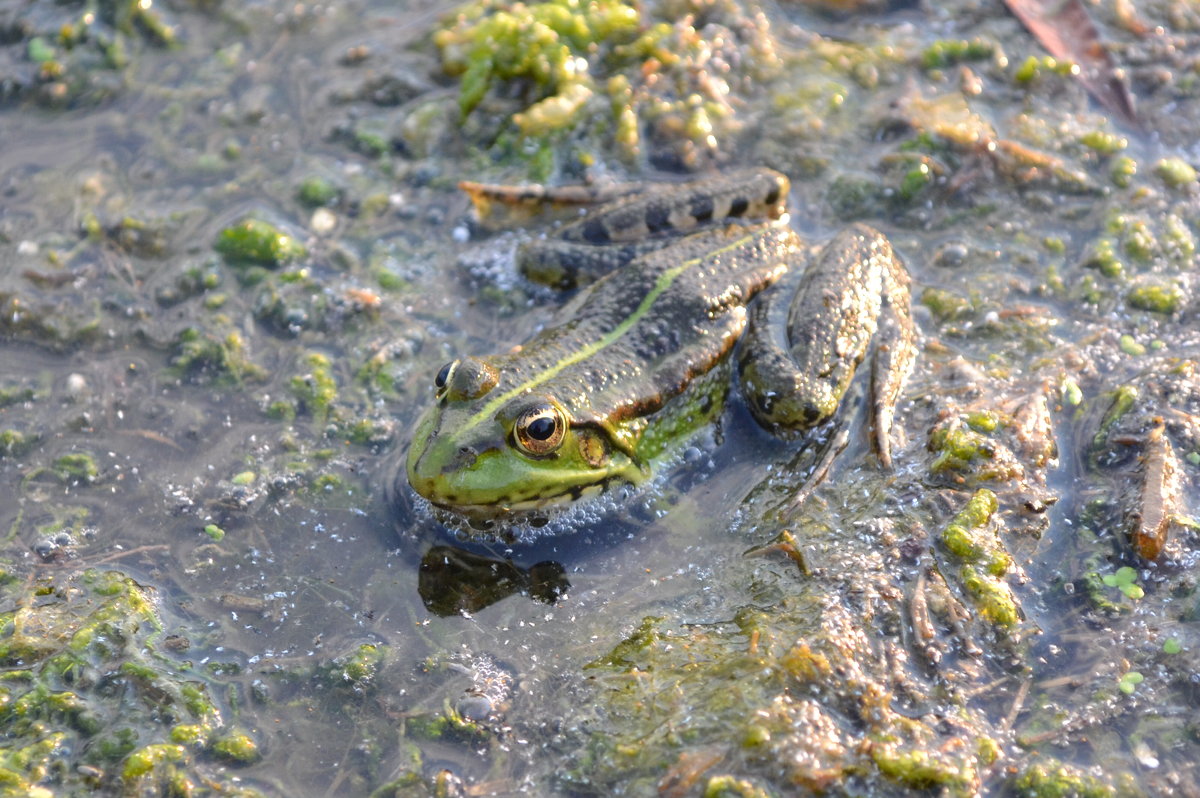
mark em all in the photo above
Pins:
pixel 639 361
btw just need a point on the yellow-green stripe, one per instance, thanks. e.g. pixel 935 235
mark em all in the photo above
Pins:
pixel 663 282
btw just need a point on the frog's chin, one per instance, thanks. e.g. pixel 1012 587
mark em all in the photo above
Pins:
pixel 526 511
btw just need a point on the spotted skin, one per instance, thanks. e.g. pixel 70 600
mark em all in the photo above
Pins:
pixel 637 363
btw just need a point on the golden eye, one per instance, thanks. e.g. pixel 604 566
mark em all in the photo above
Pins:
pixel 443 375
pixel 540 430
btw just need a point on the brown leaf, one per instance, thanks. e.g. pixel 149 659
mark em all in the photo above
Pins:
pixel 1065 29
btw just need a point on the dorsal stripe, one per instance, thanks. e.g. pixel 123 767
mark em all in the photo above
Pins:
pixel 664 281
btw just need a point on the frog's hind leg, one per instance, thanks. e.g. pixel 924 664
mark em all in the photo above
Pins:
pixel 895 353
pixel 833 446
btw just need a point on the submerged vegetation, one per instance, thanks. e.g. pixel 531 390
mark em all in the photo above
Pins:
pixel 92 699
pixel 233 257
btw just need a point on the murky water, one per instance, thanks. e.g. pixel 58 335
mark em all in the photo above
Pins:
pixel 224 434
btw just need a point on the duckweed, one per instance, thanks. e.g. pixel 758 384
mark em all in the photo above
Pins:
pixel 1125 580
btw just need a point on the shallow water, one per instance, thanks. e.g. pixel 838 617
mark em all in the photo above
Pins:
pixel 314 563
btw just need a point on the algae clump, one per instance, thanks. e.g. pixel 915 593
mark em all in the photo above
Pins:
pixel 255 242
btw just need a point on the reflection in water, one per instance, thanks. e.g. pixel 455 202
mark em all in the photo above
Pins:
pixel 454 580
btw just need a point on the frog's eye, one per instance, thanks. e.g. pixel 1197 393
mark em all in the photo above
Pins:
pixel 443 375
pixel 540 430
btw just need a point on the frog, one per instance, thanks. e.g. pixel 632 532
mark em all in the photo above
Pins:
pixel 670 281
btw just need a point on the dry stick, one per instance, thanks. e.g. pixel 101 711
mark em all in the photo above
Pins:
pixel 1018 702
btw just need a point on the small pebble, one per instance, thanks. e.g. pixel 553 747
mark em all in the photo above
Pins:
pixel 323 221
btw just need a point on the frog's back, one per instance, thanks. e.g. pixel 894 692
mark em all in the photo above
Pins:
pixel 635 339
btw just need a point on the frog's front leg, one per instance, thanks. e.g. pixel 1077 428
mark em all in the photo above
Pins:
pixel 797 363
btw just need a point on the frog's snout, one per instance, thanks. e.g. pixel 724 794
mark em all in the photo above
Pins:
pixel 465 457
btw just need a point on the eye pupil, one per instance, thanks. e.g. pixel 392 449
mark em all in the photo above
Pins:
pixel 443 375
pixel 541 428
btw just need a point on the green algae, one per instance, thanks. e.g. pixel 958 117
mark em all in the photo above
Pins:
pixel 14 443
pixel 76 466
pixel 1103 258
pixel 1123 170
pixel 962 450
pixel 1131 346
pixel 201 356
pixel 921 769
pixel 147 759
pixel 730 787
pixel 539 42
pixel 946 52
pixel 236 748
pixel 1103 142
pixel 317 192
pixel 1156 298
pixel 969 536
pixel 1175 172
pixel 627 651
pixel 604 76
pixel 87 689
pixel 992 597
pixel 1052 779
pixel 1178 243
pixel 255 242
pixel 1035 68
pixel 356 671
pixel 316 389
pixel 1120 402
pixel 448 725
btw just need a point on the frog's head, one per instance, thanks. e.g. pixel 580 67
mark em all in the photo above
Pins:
pixel 486 450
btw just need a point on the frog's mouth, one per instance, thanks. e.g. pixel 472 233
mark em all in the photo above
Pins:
pixel 533 511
